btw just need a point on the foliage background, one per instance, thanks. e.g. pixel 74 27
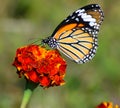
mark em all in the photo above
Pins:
pixel 23 21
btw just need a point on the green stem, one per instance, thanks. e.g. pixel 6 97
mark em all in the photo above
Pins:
pixel 29 88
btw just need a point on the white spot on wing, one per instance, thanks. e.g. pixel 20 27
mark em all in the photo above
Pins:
pixel 77 19
pixel 84 15
pixel 91 23
pixel 80 11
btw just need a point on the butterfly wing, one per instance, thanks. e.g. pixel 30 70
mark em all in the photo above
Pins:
pixel 90 16
pixel 78 45
pixel 76 36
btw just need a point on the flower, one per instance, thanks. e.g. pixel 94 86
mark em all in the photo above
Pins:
pixel 107 105
pixel 45 67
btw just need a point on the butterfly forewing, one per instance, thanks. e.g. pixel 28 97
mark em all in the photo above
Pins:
pixel 89 16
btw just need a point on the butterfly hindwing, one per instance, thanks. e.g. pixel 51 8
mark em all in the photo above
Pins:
pixel 78 45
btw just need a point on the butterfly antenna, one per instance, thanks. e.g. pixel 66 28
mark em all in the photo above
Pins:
pixel 38 40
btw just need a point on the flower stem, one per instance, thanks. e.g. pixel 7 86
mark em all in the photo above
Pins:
pixel 29 88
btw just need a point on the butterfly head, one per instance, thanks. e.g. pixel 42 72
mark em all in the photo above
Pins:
pixel 50 41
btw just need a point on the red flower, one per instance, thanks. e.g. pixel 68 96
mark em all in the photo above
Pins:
pixel 107 105
pixel 39 65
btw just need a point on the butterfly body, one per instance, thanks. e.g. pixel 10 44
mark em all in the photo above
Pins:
pixel 76 36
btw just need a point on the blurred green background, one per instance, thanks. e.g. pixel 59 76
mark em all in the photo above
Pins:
pixel 23 21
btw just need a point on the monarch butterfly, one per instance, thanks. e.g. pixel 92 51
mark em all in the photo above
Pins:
pixel 76 36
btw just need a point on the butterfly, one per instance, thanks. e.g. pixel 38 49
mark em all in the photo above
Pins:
pixel 76 36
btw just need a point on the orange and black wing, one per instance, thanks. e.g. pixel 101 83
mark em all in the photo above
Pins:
pixel 76 36
pixel 90 16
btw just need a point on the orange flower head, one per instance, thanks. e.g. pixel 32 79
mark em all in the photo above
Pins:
pixel 107 105
pixel 39 65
